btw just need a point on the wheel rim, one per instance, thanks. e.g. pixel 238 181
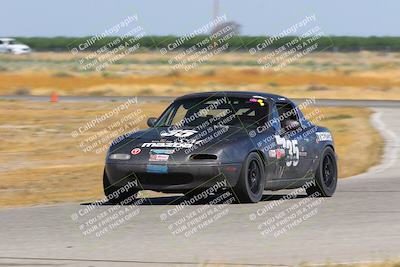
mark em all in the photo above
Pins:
pixel 253 176
pixel 328 170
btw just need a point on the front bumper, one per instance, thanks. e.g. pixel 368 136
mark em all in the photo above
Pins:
pixel 177 178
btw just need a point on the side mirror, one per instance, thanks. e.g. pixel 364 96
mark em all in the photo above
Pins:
pixel 291 125
pixel 151 121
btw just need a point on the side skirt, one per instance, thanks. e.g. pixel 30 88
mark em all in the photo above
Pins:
pixel 286 184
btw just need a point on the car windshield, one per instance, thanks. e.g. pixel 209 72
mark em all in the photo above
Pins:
pixel 232 111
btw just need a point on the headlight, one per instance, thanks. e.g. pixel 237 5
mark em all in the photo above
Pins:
pixel 120 156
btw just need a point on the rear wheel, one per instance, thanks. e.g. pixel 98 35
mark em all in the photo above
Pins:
pixel 325 175
pixel 250 187
pixel 113 193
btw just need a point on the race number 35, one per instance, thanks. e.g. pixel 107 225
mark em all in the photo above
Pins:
pixel 292 149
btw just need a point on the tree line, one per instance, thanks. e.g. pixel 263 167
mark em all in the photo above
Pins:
pixel 240 43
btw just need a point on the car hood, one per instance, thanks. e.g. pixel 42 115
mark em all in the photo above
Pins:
pixel 213 134
pixel 140 145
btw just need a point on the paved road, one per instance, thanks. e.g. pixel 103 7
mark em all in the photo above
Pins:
pixel 155 99
pixel 359 224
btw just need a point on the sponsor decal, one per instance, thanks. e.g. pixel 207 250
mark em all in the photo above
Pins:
pixel 160 154
pixel 303 154
pixel 136 151
pixel 158 157
pixel 272 153
pixel 276 153
pixel 259 101
pixel 162 151
pixel 157 168
pixel 178 133
pixel 280 153
pixel 168 144
pixel 323 136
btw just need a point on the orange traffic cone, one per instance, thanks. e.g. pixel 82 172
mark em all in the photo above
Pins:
pixel 54 97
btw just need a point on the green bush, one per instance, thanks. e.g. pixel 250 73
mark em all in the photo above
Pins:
pixel 331 43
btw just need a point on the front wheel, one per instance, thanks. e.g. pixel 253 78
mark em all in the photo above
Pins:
pixel 251 183
pixel 325 180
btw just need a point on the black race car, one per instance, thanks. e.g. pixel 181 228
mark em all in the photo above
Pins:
pixel 246 142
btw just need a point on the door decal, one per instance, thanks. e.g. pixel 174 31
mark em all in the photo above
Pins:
pixel 293 153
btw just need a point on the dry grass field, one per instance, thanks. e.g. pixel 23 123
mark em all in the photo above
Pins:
pixel 362 75
pixel 43 163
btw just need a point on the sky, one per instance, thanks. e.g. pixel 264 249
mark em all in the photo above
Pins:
pixel 50 18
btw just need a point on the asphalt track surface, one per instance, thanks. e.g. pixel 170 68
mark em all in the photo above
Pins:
pixel 360 223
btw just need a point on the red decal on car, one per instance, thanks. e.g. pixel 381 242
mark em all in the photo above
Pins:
pixel 136 151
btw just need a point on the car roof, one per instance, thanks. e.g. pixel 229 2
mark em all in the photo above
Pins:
pixel 275 98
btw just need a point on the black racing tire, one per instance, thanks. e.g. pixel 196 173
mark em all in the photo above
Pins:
pixel 251 183
pixel 326 175
pixel 109 189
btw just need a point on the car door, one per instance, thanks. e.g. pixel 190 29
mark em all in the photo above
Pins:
pixel 297 148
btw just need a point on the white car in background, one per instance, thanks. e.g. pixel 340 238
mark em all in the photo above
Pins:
pixel 10 45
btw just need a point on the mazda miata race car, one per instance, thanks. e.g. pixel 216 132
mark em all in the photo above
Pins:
pixel 246 142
